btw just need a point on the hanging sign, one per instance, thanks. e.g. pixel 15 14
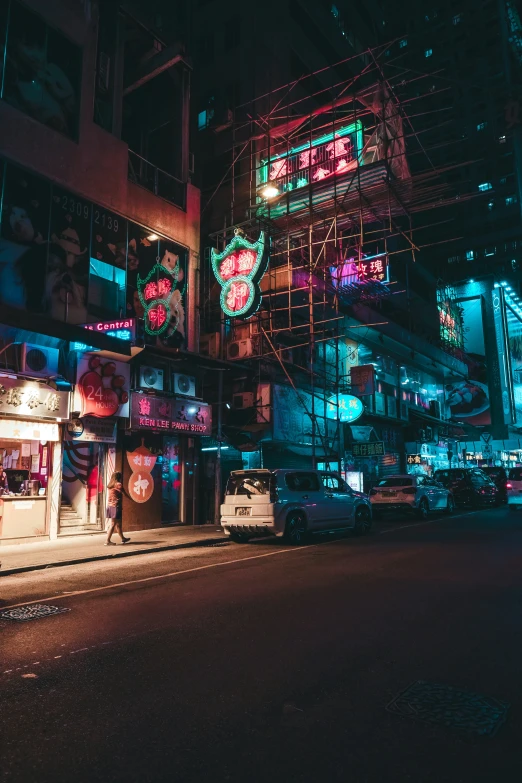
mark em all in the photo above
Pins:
pixel 239 269
pixel 141 483
pixel 122 328
pixel 362 379
pixel 368 449
pixel 344 407
pixel 20 397
pixel 91 430
pixel 155 292
pixel 102 387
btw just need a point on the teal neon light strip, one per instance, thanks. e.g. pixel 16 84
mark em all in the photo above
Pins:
pixel 355 128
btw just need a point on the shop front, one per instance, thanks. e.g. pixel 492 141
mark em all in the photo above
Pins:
pixel 165 437
pixel 31 416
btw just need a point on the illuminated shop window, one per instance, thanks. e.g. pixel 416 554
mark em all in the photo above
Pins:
pixel 485 186
pixel 470 255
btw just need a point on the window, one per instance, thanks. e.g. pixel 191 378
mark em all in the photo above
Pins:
pixel 250 483
pixel 43 72
pixel 491 205
pixel 334 483
pixel 501 139
pixel 485 186
pixel 428 52
pixel 470 255
pixel 481 126
pixel 302 482
pixel 202 120
pixel 457 19
pixel 335 11
pixel 510 200
pixel 503 180
pixel 403 43
pixel 398 481
pixel 490 251
pixel 453 259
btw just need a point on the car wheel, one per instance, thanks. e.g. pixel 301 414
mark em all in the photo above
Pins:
pixel 239 538
pixel 423 509
pixel 295 529
pixel 363 521
pixel 450 506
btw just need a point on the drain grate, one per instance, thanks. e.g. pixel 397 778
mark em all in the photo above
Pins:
pixel 432 703
pixel 22 614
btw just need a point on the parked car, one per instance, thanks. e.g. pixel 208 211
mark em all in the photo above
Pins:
pixel 413 494
pixel 499 477
pixel 470 486
pixel 514 489
pixel 291 503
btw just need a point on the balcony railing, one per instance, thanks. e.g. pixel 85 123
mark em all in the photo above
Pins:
pixel 143 172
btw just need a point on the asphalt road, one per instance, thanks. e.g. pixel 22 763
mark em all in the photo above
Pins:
pixel 264 663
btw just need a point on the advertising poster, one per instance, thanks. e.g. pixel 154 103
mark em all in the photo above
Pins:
pixel 102 387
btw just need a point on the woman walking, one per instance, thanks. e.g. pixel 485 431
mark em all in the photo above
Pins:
pixel 114 523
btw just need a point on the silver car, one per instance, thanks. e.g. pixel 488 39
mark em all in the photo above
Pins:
pixel 291 503
pixel 417 494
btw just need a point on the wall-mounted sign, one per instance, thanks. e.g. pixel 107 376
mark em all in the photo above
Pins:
pixel 362 379
pixel 102 387
pixel 344 407
pixel 169 414
pixel 414 459
pixel 155 292
pixel 330 153
pixel 19 397
pixel 369 449
pixel 91 430
pixel 353 270
pixel 122 328
pixel 239 269
pixel 141 483
pixel 16 429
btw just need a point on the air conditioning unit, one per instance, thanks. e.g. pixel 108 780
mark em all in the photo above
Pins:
pixel 151 378
pixel 184 384
pixel 209 345
pixel 243 400
pixel 38 360
pixel 240 349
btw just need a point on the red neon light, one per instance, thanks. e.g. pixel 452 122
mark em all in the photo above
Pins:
pixel 239 263
pixel 237 296
pixel 157 316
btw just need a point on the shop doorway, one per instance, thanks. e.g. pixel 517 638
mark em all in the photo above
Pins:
pixel 170 480
pixel 82 507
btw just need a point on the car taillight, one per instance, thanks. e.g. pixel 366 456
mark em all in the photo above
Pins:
pixel 373 492
pixel 409 491
pixel 509 486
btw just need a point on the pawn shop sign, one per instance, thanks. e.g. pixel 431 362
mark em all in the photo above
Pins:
pixel 141 486
pixel 141 459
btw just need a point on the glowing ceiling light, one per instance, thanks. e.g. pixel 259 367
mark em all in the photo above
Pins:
pixel 269 191
pixel 152 237
pixel 471 281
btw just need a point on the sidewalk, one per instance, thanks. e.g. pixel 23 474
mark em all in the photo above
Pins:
pixel 83 549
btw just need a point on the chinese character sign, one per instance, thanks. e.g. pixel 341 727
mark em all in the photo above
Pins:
pixel 161 413
pixel 362 379
pixel 155 292
pixel 20 397
pixel 102 387
pixel 141 483
pixel 239 269
pixel 368 449
pixel 344 407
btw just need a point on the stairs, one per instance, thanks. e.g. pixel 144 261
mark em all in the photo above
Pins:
pixel 72 523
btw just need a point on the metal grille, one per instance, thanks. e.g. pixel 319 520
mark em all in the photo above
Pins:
pixel 441 704
pixel 22 614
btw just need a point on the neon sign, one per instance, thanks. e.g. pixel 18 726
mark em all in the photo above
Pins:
pixel 123 329
pixel 239 269
pixel 331 153
pixel 155 292
pixel 344 407
pixel 352 271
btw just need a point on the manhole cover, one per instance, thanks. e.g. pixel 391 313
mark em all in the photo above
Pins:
pixel 23 614
pixel 432 703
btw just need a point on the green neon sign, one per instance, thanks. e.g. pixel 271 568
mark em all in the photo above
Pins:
pixel 239 269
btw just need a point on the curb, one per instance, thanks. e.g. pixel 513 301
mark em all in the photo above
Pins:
pixel 116 555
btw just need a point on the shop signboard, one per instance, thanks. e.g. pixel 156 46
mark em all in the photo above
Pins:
pixel 141 483
pixel 30 399
pixel 362 379
pixel 344 407
pixel 239 269
pixel 102 387
pixel 16 429
pixel 368 449
pixel 122 328
pixel 414 459
pixel 91 430
pixel 170 415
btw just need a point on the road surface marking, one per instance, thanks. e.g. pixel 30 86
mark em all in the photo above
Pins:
pixel 161 576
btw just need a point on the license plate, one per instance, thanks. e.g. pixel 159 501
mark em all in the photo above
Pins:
pixel 390 494
pixel 243 511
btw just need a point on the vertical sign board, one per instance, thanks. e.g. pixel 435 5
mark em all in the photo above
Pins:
pixel 499 320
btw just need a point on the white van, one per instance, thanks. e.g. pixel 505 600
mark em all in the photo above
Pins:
pixel 291 503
